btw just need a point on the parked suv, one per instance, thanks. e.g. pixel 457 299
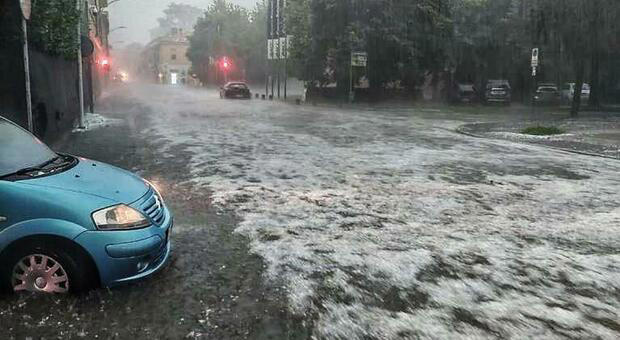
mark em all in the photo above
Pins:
pixel 498 91
pixel 68 223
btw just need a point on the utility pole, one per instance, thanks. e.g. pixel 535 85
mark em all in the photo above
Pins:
pixel 25 16
pixel 278 31
pixel 268 36
pixel 80 66
pixel 285 66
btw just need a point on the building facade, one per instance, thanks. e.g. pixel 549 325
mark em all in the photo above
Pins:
pixel 167 59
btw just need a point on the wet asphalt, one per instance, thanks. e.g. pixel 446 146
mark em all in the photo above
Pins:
pixel 327 223
pixel 212 289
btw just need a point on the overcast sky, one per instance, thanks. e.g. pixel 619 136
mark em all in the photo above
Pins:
pixel 141 15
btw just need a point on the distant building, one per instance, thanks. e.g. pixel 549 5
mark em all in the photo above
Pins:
pixel 167 60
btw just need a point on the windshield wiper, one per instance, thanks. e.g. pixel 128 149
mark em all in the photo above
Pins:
pixel 26 171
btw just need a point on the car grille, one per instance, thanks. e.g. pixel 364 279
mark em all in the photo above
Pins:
pixel 153 207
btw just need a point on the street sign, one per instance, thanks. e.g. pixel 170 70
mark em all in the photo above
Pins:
pixel 359 59
pixel 289 44
pixel 26 6
pixel 276 48
pixel 535 57
pixel 283 46
pixel 270 49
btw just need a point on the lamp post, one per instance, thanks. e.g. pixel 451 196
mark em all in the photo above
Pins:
pixel 116 29
pixel 80 66
pixel 113 1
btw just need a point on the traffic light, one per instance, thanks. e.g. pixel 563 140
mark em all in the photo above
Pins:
pixel 104 63
pixel 226 64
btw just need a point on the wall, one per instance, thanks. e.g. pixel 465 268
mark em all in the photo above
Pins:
pixel 54 80
pixel 12 102
pixel 55 101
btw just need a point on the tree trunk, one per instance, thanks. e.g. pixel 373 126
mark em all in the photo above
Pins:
pixel 579 71
pixel 595 98
pixel 435 86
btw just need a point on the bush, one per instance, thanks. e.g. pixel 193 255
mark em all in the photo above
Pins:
pixel 542 131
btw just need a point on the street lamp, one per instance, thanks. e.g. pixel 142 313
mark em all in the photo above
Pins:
pixel 117 28
pixel 111 2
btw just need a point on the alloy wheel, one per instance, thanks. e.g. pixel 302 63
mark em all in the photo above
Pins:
pixel 41 274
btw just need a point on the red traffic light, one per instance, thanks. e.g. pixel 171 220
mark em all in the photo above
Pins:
pixel 104 63
pixel 225 63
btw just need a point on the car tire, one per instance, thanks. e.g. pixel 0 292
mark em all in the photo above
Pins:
pixel 76 267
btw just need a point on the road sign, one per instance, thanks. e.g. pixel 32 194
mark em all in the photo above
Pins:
pixel 359 59
pixel 283 46
pixel 26 6
pixel 276 48
pixel 270 49
pixel 535 57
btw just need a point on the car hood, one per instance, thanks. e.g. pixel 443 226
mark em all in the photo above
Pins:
pixel 96 179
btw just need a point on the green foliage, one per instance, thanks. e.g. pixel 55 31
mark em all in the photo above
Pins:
pixel 53 27
pixel 467 40
pixel 232 31
pixel 542 130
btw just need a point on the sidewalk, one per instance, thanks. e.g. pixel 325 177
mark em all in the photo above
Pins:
pixel 593 133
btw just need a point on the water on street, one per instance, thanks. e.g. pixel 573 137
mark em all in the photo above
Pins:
pixel 298 222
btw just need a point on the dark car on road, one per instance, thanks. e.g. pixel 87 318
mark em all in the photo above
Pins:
pixel 235 90
pixel 463 94
pixel 498 91
pixel 546 94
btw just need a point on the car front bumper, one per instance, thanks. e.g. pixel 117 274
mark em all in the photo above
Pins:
pixel 126 256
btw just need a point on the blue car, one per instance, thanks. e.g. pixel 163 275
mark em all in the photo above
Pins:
pixel 68 224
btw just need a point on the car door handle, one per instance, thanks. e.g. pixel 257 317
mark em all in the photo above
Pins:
pixel 3 219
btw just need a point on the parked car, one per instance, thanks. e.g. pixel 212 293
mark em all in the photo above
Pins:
pixel 568 91
pixel 235 90
pixel 463 93
pixel 546 93
pixel 68 223
pixel 498 91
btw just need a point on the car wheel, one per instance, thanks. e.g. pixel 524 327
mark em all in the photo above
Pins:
pixel 40 267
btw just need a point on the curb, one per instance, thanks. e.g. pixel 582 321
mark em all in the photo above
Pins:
pixel 584 153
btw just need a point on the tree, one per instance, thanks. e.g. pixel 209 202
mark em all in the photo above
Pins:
pixel 53 27
pixel 176 16
pixel 228 30
pixel 471 40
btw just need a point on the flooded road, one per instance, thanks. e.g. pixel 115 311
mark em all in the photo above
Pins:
pixel 298 222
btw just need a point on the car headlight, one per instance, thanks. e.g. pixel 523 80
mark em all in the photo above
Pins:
pixel 119 217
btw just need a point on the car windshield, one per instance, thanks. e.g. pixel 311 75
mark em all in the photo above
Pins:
pixel 19 149
pixel 237 85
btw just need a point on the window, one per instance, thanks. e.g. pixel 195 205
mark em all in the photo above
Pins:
pixel 173 57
